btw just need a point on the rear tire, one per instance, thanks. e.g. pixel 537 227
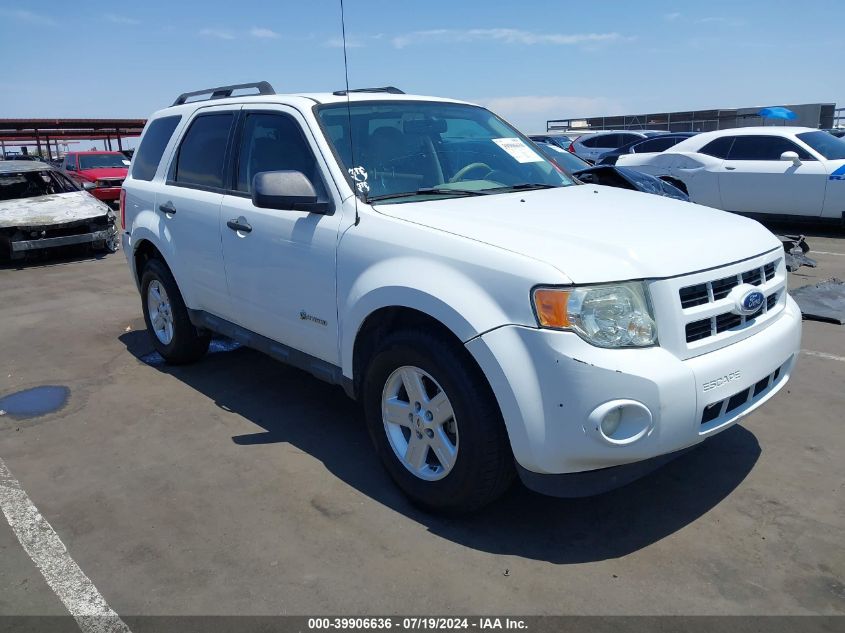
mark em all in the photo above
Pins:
pixel 450 454
pixel 168 324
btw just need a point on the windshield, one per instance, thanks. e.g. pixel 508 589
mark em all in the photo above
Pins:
pixel 826 144
pixel 410 150
pixel 98 161
pixel 31 184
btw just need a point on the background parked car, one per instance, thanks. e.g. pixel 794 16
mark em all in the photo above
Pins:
pixel 562 158
pixel 789 172
pixel 609 175
pixel 40 207
pixel 106 171
pixel 558 140
pixel 644 145
pixel 591 147
pixel 627 178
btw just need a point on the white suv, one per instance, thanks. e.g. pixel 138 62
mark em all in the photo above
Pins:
pixel 491 315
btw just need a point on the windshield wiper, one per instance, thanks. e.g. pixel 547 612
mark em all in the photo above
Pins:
pixel 523 186
pixel 426 191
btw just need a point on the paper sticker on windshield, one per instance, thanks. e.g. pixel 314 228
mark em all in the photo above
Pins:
pixel 519 150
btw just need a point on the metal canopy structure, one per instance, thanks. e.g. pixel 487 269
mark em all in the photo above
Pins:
pixel 51 132
pixel 815 115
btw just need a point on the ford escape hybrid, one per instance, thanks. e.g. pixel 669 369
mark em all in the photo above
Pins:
pixel 493 316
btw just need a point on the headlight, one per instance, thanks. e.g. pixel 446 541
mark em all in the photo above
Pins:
pixel 613 315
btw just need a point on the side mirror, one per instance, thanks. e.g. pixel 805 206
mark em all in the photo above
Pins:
pixel 70 167
pixel 792 157
pixel 286 191
pixel 88 186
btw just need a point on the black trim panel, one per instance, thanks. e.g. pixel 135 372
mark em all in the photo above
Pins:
pixel 318 368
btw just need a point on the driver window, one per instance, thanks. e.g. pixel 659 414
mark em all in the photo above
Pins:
pixel 274 142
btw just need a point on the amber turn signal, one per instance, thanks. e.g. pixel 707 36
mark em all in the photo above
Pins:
pixel 551 306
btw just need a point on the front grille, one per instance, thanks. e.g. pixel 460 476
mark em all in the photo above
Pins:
pixel 732 403
pixel 694 296
pixel 723 287
pixel 704 328
pixel 77 227
pixel 701 294
pixel 710 291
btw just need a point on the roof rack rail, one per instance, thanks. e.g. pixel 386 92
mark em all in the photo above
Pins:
pixel 221 92
pixel 388 89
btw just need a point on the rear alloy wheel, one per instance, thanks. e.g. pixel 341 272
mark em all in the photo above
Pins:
pixel 435 422
pixel 172 333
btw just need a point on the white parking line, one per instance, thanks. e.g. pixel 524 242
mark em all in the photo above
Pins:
pixel 828 253
pixel 825 355
pixel 45 548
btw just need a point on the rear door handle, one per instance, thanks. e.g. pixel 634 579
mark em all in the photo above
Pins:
pixel 239 224
pixel 167 208
pixel 730 168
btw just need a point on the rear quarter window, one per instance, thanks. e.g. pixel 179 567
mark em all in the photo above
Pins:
pixel 718 148
pixel 152 147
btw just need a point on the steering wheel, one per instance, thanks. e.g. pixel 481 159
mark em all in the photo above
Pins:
pixel 463 171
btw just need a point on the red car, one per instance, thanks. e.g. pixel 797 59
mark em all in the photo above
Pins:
pixel 101 173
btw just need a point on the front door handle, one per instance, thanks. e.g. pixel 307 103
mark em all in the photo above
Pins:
pixel 167 208
pixel 730 168
pixel 239 224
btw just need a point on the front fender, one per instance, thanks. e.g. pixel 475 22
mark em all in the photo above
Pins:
pixel 451 297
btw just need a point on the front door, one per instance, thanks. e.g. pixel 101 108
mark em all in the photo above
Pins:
pixel 754 179
pixel 281 268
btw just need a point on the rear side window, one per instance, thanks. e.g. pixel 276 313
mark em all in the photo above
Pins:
pixel 624 139
pixel 765 148
pixel 607 141
pixel 718 148
pixel 202 153
pixel 152 147
pixel 655 144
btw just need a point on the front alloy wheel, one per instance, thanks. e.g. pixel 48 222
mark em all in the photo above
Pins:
pixel 420 423
pixel 435 422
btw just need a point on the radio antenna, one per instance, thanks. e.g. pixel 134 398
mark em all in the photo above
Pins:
pixel 349 115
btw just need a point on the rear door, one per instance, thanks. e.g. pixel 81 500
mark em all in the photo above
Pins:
pixel 281 271
pixel 753 178
pixel 189 206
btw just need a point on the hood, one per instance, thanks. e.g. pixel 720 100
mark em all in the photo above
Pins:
pixel 597 234
pixel 54 209
pixel 105 172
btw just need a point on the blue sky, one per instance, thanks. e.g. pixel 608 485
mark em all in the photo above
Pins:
pixel 528 61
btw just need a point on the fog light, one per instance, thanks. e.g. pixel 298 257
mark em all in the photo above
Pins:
pixel 610 422
pixel 620 422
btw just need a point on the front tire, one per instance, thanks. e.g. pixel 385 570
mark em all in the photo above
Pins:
pixel 172 333
pixel 435 423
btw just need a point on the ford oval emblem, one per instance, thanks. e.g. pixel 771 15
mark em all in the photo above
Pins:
pixel 751 301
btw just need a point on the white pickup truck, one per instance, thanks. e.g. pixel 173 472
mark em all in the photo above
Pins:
pixel 492 315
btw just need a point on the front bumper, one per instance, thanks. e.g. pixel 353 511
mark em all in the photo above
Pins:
pixel 68 240
pixel 549 384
